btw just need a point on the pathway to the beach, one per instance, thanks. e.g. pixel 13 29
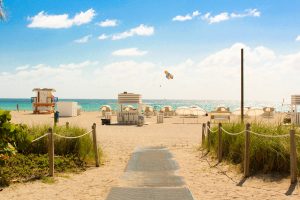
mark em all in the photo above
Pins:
pixel 150 175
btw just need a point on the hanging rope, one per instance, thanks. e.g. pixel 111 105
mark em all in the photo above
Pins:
pixel 269 135
pixel 72 137
pixel 232 133
pixel 40 137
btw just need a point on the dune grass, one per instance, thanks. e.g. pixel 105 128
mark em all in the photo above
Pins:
pixel 266 154
pixel 31 160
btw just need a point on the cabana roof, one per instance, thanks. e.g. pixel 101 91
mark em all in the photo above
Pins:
pixel 132 98
pixel 43 89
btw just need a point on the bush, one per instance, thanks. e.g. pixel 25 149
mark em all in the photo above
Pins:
pixel 21 158
pixel 22 168
pixel 266 154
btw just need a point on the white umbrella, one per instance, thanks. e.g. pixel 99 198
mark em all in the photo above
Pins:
pixel 148 108
pixel 255 112
pixel 238 111
pixel 167 109
pixel 197 111
pixel 183 110
pixel 105 108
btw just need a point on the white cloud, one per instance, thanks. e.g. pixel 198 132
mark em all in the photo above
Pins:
pixel 129 52
pixel 84 39
pixel 43 20
pixel 108 23
pixel 298 38
pixel 186 17
pixel 224 16
pixel 103 37
pixel 141 30
pixel 268 76
pixel 24 67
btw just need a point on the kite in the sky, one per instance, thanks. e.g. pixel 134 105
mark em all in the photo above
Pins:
pixel 168 75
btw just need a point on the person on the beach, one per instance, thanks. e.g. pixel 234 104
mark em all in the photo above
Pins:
pixel 18 107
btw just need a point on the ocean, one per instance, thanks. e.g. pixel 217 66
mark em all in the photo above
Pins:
pixel 95 104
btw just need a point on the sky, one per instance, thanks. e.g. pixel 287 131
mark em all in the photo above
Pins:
pixel 97 49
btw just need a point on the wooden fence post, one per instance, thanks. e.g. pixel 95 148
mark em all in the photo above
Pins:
pixel 208 136
pixel 293 157
pixel 51 151
pixel 67 125
pixel 95 144
pixel 247 152
pixel 220 143
pixel 203 134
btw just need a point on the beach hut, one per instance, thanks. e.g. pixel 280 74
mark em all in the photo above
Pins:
pixel 129 115
pixel 44 101
pixel 67 109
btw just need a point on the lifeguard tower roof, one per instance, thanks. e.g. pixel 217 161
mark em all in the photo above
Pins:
pixel 43 89
pixel 125 98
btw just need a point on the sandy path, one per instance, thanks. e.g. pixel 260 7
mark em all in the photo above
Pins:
pixel 118 142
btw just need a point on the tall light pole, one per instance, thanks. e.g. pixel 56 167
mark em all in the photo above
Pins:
pixel 242 85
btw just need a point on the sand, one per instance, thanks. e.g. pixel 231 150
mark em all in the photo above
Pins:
pixel 203 177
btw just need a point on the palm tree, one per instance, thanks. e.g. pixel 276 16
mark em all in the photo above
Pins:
pixel 2 14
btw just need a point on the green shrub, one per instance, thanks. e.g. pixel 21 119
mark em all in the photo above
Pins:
pixel 32 166
pixel 266 154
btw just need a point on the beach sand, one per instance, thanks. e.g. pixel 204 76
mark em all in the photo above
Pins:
pixel 203 177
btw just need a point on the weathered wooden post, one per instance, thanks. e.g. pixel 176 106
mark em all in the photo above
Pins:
pixel 208 136
pixel 247 152
pixel 67 125
pixel 203 134
pixel 293 157
pixel 51 151
pixel 95 144
pixel 220 143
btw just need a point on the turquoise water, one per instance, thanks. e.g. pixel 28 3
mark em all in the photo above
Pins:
pixel 95 104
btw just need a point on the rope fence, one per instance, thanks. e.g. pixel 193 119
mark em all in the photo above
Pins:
pixel 206 128
pixel 73 137
pixel 40 137
pixel 50 135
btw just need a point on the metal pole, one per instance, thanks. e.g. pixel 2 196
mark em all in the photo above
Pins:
pixel 242 85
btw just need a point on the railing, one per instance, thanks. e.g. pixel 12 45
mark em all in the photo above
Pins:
pixel 50 135
pixel 206 128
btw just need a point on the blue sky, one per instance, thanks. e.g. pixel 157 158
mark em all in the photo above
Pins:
pixel 156 38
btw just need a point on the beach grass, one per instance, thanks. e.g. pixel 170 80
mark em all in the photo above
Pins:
pixel 266 154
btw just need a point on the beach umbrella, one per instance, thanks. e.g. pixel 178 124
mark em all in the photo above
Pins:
pixel 255 112
pixel 197 111
pixel 128 108
pixel 269 109
pixel 222 109
pixel 238 111
pixel 183 110
pixel 167 109
pixel 148 108
pixel 105 108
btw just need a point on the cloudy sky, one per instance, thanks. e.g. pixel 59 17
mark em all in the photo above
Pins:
pixel 96 49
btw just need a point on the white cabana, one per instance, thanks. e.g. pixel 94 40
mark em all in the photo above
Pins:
pixel 268 111
pixel 129 116
pixel 183 110
pixel 128 108
pixel 167 111
pixel 67 109
pixel 148 110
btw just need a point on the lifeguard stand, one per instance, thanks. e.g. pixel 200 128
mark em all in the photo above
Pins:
pixel 131 116
pixel 295 102
pixel 44 102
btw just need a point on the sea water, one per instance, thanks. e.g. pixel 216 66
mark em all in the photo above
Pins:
pixel 95 104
